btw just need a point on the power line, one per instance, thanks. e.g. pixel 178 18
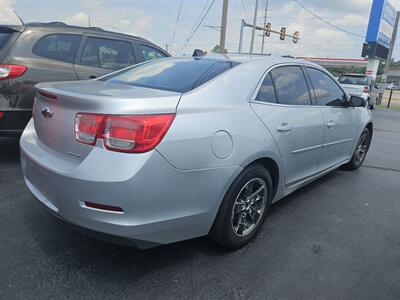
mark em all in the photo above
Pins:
pixel 176 24
pixel 327 22
pixel 198 25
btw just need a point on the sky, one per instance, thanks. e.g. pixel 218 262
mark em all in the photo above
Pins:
pixel 155 20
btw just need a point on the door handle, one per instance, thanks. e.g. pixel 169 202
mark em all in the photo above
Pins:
pixel 92 76
pixel 284 127
pixel 331 124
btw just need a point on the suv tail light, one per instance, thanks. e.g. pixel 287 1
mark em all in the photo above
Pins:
pixel 134 133
pixel 11 71
pixel 366 89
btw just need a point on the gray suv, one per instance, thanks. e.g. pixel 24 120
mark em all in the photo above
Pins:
pixel 38 52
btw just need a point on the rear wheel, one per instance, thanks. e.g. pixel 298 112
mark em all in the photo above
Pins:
pixel 360 152
pixel 244 208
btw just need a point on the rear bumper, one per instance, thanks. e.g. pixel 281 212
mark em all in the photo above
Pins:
pixel 13 122
pixel 160 203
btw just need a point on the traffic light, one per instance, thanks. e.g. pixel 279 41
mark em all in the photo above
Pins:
pixel 283 33
pixel 268 29
pixel 295 37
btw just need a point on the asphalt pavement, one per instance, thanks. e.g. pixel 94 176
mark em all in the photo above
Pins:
pixel 337 238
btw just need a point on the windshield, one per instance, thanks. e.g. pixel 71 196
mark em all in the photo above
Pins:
pixel 356 80
pixel 172 74
pixel 4 37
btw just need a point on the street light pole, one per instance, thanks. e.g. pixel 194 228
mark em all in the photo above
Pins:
pixel 253 33
pixel 223 26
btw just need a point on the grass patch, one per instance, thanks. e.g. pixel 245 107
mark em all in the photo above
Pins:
pixel 391 106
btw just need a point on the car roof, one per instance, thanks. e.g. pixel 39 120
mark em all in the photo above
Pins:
pixel 80 29
pixel 262 60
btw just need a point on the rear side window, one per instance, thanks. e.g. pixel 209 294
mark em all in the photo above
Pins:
pixel 177 75
pixel 150 53
pixel 60 47
pixel 4 37
pixel 291 87
pixel 267 91
pixel 326 90
pixel 107 54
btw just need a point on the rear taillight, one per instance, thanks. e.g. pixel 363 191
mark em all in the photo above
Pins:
pixel 136 134
pixel 366 89
pixel 11 71
pixel 1 114
pixel 87 127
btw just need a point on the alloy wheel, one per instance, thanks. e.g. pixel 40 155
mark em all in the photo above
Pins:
pixel 249 207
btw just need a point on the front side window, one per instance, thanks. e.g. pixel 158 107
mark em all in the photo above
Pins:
pixel 267 91
pixel 107 54
pixel 62 47
pixel 150 53
pixel 170 74
pixel 326 90
pixel 291 87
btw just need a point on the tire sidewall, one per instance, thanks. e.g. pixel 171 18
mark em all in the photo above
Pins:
pixel 222 229
pixel 365 132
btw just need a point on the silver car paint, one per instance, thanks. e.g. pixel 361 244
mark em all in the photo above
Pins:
pixel 173 192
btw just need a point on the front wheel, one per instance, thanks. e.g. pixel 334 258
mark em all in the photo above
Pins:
pixel 360 152
pixel 244 208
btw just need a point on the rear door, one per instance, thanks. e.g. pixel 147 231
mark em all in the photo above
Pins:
pixel 102 55
pixel 284 105
pixel 340 120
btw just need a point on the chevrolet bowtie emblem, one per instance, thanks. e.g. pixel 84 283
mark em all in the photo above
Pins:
pixel 47 113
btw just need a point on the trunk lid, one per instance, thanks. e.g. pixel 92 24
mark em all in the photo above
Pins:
pixel 54 120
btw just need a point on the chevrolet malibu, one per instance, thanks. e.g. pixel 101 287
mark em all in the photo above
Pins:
pixel 178 148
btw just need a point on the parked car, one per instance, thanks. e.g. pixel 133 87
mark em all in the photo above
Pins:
pixel 361 85
pixel 38 52
pixel 393 86
pixel 179 148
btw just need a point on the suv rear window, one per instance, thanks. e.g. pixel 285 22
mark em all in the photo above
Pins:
pixel 60 47
pixel 177 75
pixel 356 80
pixel 4 37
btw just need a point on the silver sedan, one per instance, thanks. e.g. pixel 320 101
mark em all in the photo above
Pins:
pixel 178 148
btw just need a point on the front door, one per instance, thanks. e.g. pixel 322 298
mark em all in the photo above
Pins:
pixel 284 105
pixel 340 120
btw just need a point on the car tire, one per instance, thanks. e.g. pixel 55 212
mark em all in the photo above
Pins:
pixel 238 221
pixel 360 151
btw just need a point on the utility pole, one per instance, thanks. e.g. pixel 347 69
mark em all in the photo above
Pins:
pixel 392 43
pixel 223 27
pixel 265 23
pixel 253 33
pixel 242 25
pixel 88 20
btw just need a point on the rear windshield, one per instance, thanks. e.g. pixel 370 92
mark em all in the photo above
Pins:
pixel 356 80
pixel 4 37
pixel 171 74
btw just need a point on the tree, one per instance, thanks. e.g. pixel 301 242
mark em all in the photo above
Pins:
pixel 216 49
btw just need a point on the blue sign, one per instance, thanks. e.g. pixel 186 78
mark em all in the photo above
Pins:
pixel 381 23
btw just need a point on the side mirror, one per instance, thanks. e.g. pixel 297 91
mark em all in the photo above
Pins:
pixel 357 101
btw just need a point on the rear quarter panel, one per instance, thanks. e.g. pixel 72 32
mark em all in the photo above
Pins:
pixel 218 115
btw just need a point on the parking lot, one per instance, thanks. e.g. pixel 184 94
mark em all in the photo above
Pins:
pixel 337 238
